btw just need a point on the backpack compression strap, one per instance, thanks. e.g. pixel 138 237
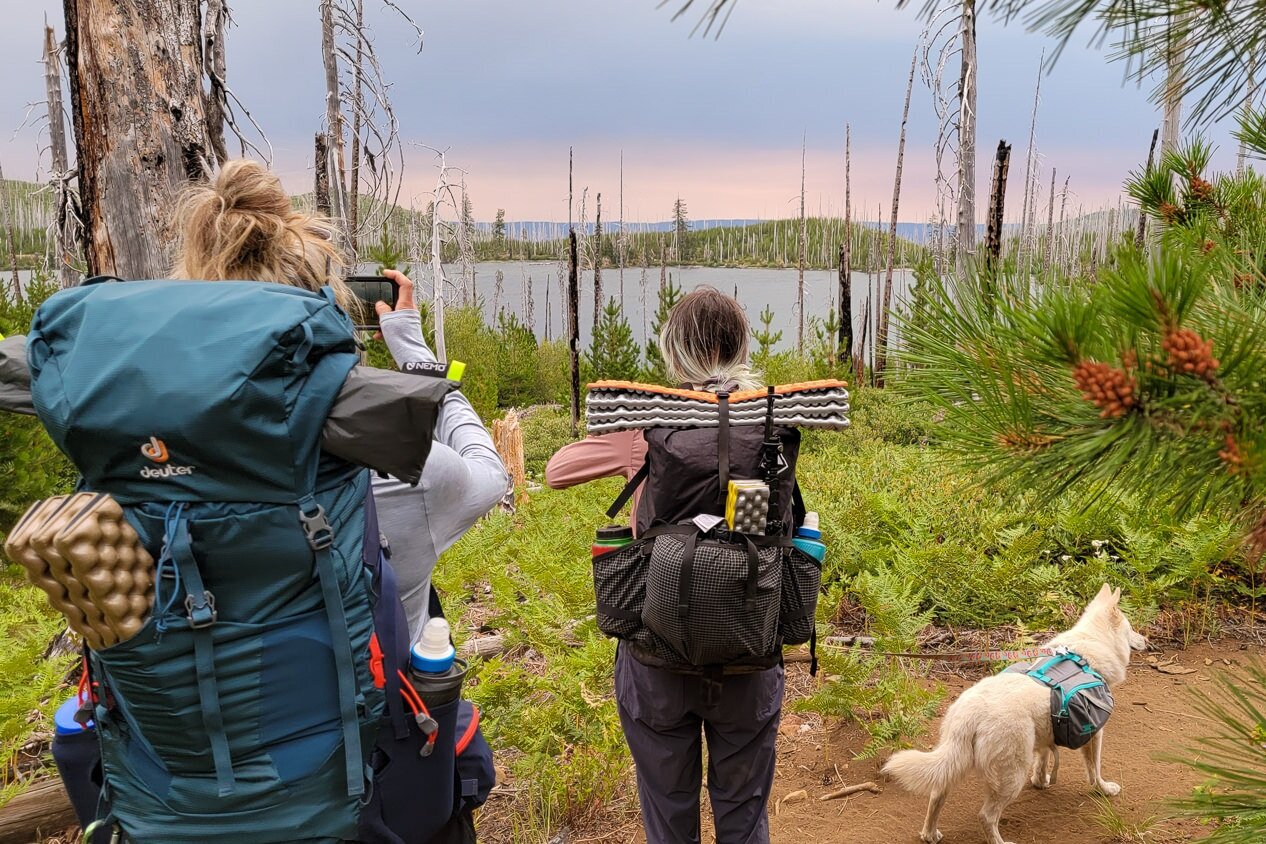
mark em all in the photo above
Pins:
pixel 723 445
pixel 629 488
pixel 321 538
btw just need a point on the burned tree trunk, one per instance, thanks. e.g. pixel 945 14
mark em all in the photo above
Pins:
pixel 845 345
pixel 997 199
pixel 140 125
pixel 1141 234
pixel 321 166
pixel 597 266
pixel 573 331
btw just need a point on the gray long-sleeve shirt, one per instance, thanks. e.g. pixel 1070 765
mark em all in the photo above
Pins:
pixel 463 479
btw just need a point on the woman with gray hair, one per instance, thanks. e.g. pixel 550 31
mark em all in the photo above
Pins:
pixel 667 712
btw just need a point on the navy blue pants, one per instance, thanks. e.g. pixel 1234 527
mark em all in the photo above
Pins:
pixel 666 715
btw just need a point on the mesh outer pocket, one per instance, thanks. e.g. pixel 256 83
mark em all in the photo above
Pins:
pixel 801 584
pixel 716 624
pixel 619 581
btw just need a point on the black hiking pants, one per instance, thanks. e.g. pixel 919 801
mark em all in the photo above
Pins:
pixel 665 717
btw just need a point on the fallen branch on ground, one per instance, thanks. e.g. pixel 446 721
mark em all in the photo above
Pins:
pixel 848 790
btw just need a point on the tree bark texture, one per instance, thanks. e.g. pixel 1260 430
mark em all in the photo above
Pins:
pixel 135 68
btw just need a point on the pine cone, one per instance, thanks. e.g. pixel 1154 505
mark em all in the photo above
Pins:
pixel 1107 388
pixel 1208 247
pixel 1201 191
pixel 1243 280
pixel 1231 455
pixel 1189 353
pixel 1168 211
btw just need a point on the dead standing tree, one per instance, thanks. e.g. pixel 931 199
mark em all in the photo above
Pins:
pixel 140 121
pixel 65 228
pixel 357 92
pixel 881 336
pixel 845 345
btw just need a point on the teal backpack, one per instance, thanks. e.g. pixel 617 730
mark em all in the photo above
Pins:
pixel 261 701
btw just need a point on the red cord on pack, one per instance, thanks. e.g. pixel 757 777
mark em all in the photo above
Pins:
pixel 416 703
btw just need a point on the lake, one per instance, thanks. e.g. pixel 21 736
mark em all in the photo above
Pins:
pixel 755 288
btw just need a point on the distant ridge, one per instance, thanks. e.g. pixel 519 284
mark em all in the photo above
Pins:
pixel 543 230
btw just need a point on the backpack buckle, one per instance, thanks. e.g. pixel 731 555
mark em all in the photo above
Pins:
pixel 201 612
pixel 317 528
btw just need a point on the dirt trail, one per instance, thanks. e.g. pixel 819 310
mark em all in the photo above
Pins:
pixel 1153 716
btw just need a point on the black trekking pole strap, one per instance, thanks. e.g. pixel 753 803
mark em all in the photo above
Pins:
pixel 723 446
pixel 629 488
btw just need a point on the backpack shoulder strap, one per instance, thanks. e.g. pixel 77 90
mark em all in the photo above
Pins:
pixel 723 446
pixel 629 488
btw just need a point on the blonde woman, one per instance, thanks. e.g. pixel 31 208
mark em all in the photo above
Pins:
pixel 244 226
pixel 665 712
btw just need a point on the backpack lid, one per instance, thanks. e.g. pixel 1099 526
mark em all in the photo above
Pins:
pixel 190 390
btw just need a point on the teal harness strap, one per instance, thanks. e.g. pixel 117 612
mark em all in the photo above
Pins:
pixel 200 609
pixel 321 537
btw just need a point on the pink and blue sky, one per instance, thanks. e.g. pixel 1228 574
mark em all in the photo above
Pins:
pixel 508 86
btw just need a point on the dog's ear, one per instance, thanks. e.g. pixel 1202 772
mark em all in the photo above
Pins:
pixel 1104 596
pixel 1116 596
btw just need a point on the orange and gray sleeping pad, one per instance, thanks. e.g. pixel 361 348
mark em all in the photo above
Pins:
pixel 627 405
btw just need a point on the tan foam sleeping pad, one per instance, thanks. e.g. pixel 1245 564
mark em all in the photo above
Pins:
pixel 90 562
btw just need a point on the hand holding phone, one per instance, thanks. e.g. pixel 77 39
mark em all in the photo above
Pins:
pixel 371 291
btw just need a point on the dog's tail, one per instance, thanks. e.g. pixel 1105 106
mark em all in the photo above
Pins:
pixel 939 768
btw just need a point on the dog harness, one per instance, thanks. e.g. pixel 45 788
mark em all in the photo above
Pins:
pixel 1080 699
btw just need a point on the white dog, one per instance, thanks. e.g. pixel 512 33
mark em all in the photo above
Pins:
pixel 999 725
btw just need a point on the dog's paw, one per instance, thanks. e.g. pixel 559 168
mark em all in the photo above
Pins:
pixel 1109 789
pixel 1041 781
pixel 934 838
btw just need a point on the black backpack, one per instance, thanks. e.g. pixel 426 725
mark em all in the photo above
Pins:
pixel 690 594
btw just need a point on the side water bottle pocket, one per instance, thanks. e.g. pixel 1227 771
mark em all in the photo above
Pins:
pixel 413 794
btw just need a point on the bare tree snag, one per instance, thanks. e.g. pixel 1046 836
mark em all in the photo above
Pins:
pixel 321 166
pixel 597 265
pixel 573 330
pixel 135 69
pixel 967 133
pixel 881 336
pixel 997 201
pixel 1050 224
pixel 214 32
pixel 845 345
pixel 800 259
pixel 7 221
pixel 1141 234
pixel 358 108
pixel 65 215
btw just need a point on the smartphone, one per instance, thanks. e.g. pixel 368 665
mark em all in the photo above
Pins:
pixel 370 289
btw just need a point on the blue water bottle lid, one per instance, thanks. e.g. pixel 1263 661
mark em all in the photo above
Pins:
pixel 64 723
